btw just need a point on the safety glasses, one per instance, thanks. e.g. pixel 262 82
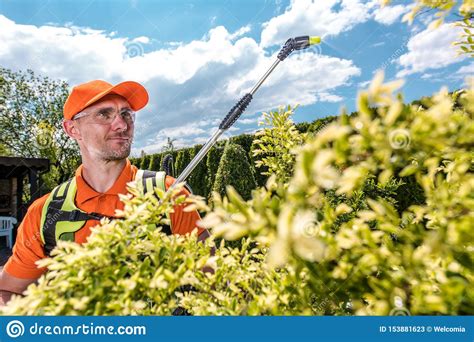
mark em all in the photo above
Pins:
pixel 106 116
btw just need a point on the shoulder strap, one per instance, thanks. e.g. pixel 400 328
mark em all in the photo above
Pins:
pixel 60 218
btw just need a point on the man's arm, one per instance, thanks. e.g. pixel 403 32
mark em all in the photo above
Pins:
pixel 10 285
pixel 21 269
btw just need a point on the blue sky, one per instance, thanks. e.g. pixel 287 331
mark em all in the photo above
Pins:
pixel 196 58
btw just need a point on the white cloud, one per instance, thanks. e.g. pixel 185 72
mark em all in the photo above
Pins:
pixel 430 49
pixel 191 85
pixel 142 39
pixel 326 18
pixel 388 15
pixel 466 70
pixel 240 32
pixel 364 84
pixel 247 121
pixel 326 97
pixel 60 52
pixel 314 18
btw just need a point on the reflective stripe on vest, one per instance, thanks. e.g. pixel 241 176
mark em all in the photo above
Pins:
pixel 61 218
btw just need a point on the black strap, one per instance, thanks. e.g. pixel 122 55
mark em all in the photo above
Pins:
pixel 78 215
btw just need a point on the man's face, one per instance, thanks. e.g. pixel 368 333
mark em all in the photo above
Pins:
pixel 111 141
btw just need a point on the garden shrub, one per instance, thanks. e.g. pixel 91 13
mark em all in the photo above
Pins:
pixel 129 267
pixel 274 144
pixel 386 256
pixel 234 170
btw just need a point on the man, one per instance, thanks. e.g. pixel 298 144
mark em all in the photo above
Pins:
pixel 100 117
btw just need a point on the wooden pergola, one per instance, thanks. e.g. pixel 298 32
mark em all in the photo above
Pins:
pixel 13 172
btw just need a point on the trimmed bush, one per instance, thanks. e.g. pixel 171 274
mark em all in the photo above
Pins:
pixel 234 170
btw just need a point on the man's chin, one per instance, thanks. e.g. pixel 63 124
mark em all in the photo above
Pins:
pixel 117 154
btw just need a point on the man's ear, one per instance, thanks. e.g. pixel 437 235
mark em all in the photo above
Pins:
pixel 71 129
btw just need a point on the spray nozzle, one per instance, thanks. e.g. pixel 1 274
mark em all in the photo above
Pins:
pixel 298 43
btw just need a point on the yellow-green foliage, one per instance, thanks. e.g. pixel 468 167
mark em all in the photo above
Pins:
pixel 128 267
pixel 274 144
pixel 380 261
pixel 309 248
pixel 442 9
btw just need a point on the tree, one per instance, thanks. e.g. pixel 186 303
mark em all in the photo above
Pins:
pixel 235 170
pixel 318 124
pixel 31 109
pixel 244 140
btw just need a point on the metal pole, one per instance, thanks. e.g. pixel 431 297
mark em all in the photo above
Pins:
pixel 264 77
pixel 202 152
pixel 291 45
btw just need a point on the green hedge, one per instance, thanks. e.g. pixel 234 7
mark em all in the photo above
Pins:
pixel 203 177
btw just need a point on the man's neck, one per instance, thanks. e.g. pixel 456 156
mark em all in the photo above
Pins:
pixel 101 175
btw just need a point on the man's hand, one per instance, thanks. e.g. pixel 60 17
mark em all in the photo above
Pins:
pixel 10 285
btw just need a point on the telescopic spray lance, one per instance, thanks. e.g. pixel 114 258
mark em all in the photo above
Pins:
pixel 292 44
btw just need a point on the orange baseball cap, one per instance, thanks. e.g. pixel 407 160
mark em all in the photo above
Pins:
pixel 85 94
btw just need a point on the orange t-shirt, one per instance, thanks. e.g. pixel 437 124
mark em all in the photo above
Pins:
pixel 29 247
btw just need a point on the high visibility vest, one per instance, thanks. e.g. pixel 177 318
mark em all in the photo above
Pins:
pixel 61 218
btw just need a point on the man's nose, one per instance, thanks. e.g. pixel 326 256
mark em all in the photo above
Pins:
pixel 119 123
